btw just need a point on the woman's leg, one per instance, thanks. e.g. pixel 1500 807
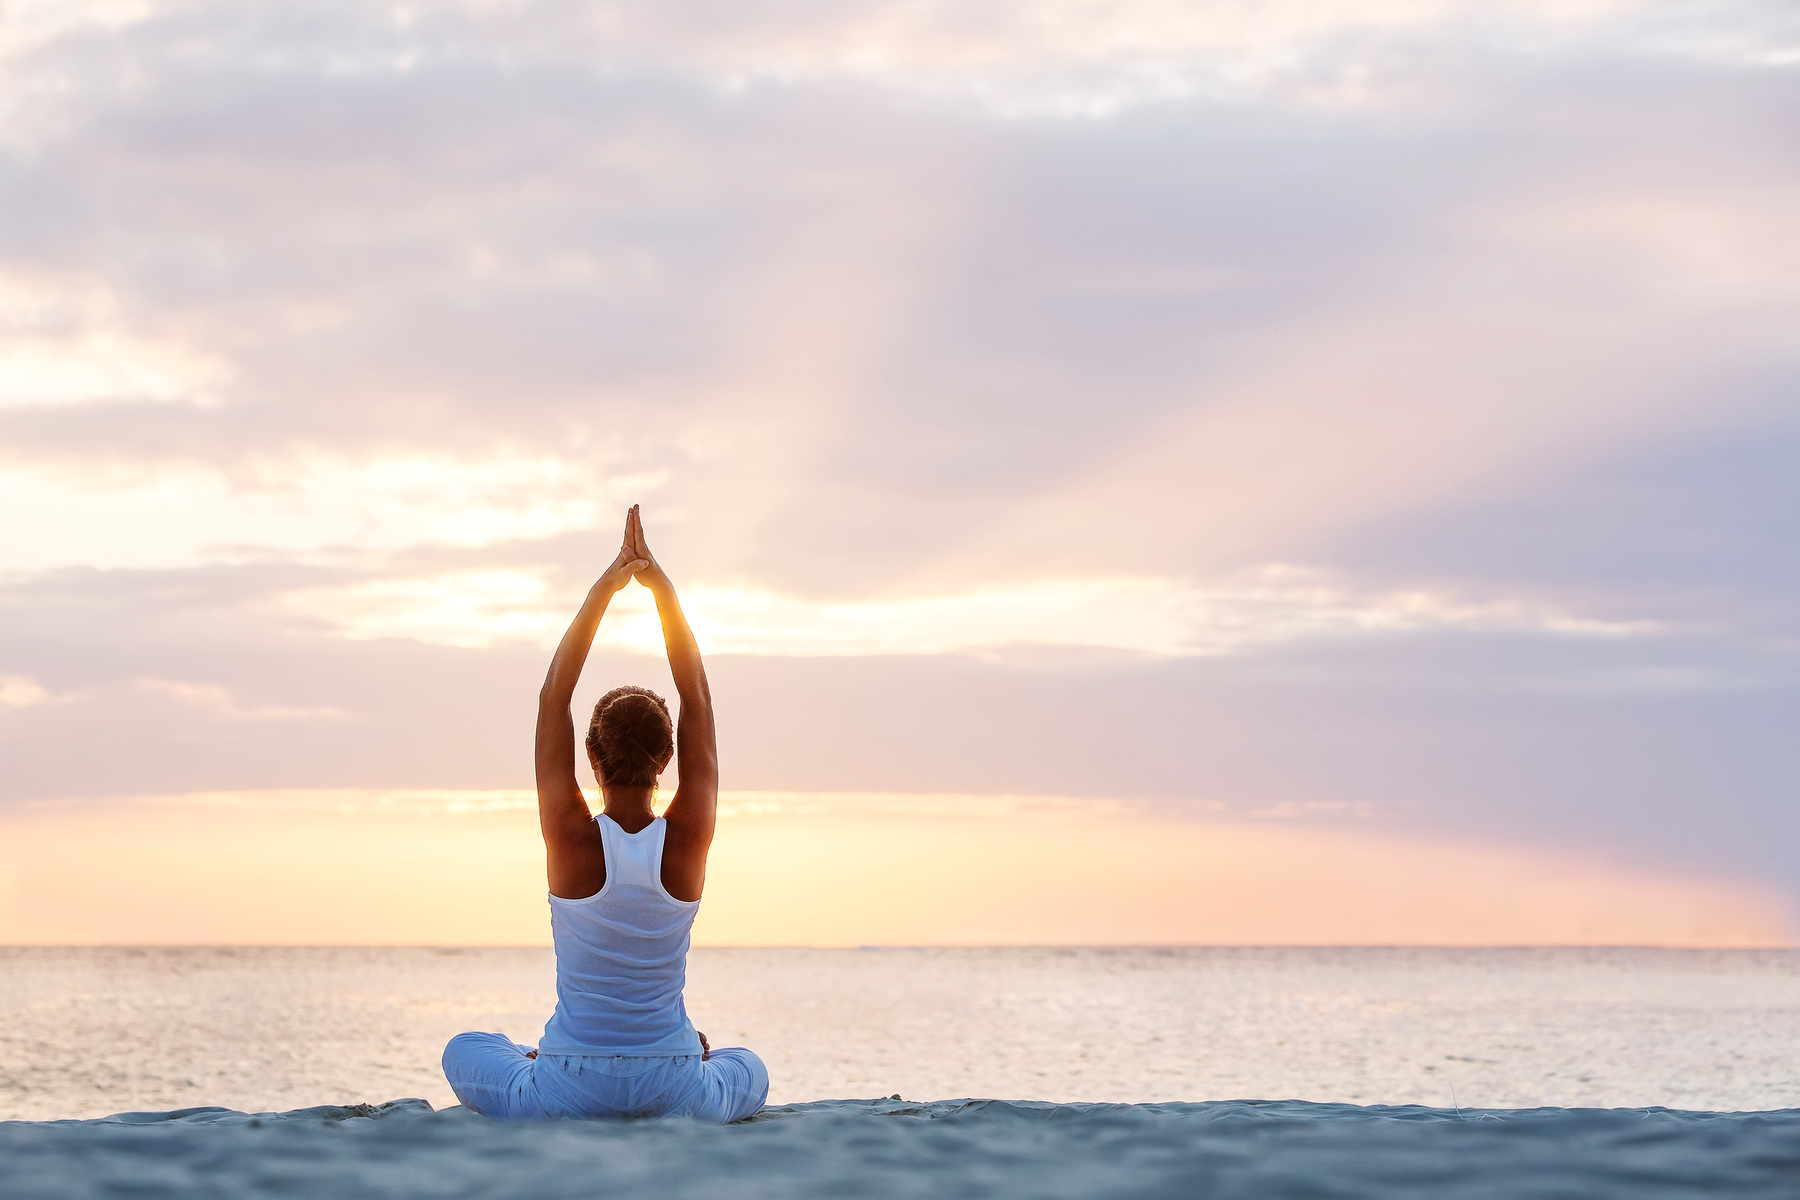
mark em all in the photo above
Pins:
pixel 491 1074
pixel 734 1084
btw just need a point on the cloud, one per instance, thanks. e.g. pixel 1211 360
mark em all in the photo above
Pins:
pixel 219 704
pixel 312 503
pixel 1064 58
pixel 62 342
pixel 22 691
pixel 1136 615
pixel 822 312
pixel 472 608
pixel 438 802
pixel 336 337
pixel 97 369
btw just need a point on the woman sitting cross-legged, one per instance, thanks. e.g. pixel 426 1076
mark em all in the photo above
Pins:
pixel 624 888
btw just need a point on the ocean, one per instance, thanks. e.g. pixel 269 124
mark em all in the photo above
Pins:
pixel 88 1032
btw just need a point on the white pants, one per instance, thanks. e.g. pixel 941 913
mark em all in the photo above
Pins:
pixel 490 1074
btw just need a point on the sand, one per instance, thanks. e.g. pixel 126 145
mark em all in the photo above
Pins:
pixel 1255 1150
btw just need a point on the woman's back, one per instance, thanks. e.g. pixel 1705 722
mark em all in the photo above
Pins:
pixel 621 956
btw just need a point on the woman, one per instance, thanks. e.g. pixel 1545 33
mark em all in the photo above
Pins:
pixel 624 888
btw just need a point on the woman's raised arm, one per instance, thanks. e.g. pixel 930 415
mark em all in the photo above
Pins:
pixel 563 815
pixel 691 815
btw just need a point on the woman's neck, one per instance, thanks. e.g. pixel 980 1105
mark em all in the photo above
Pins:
pixel 628 807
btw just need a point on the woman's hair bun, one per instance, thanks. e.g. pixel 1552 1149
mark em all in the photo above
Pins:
pixel 631 736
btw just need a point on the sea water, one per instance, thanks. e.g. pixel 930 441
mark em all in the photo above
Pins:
pixel 87 1032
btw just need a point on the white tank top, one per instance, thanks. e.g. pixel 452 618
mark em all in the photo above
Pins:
pixel 621 957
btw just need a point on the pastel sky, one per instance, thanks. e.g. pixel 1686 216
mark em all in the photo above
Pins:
pixel 1141 471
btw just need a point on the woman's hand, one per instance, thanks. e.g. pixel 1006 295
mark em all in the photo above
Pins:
pixel 628 562
pixel 649 572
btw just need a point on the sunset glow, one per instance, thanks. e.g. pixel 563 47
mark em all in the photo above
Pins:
pixel 372 867
pixel 1137 470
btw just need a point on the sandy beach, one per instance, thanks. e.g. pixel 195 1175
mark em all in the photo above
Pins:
pixel 1256 1150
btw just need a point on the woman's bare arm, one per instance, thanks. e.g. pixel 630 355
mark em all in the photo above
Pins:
pixel 571 842
pixel 693 812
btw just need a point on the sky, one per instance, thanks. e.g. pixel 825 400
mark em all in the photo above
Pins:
pixel 1140 471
